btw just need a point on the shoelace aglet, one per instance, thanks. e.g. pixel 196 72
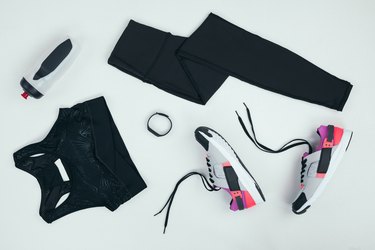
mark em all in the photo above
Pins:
pixel 245 105
pixel 237 113
pixel 164 230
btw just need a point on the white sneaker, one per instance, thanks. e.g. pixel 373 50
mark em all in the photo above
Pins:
pixel 226 170
pixel 318 167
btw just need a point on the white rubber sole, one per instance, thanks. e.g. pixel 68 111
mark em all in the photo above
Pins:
pixel 246 180
pixel 335 161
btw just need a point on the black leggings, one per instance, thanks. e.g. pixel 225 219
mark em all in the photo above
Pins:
pixel 194 68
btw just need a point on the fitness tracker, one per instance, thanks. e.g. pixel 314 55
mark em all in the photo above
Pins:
pixel 152 131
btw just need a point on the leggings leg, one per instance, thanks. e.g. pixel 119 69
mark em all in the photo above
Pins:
pixel 260 62
pixel 195 67
pixel 150 55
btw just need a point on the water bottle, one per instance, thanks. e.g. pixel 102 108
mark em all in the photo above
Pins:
pixel 42 76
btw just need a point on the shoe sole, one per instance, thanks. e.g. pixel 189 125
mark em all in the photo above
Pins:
pixel 242 172
pixel 335 159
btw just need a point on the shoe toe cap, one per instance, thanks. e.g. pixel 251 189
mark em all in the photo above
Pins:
pixel 299 203
pixel 200 138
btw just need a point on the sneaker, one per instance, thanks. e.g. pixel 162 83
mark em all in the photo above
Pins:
pixel 319 166
pixel 226 170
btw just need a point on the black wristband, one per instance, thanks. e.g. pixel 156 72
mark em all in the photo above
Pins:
pixel 153 131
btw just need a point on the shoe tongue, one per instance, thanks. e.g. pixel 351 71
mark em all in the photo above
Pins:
pixel 322 132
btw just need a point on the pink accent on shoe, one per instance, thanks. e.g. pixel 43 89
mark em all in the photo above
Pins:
pixel 337 135
pixel 248 200
pixel 226 164
pixel 323 132
pixel 235 194
pixel 327 144
pixel 302 186
pixel 320 175
pixel 233 205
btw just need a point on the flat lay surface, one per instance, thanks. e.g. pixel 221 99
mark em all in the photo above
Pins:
pixel 337 36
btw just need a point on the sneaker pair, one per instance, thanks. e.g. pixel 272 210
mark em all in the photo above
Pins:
pixel 226 170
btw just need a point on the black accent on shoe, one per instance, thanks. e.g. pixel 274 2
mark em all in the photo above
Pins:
pixel 330 129
pixel 206 130
pixel 200 138
pixel 303 168
pixel 350 140
pixel 232 180
pixel 297 204
pixel 325 154
pixel 260 191
pixel 303 211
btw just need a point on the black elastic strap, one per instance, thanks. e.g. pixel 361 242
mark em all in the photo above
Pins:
pixel 286 146
pixel 325 154
pixel 153 131
pixel 232 180
pixel 206 184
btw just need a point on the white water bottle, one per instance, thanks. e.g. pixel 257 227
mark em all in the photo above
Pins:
pixel 43 74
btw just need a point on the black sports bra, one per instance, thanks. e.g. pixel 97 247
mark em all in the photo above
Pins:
pixel 99 167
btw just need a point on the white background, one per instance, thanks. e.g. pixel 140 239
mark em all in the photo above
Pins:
pixel 338 36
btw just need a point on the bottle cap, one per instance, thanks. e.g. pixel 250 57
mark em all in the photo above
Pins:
pixel 25 94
